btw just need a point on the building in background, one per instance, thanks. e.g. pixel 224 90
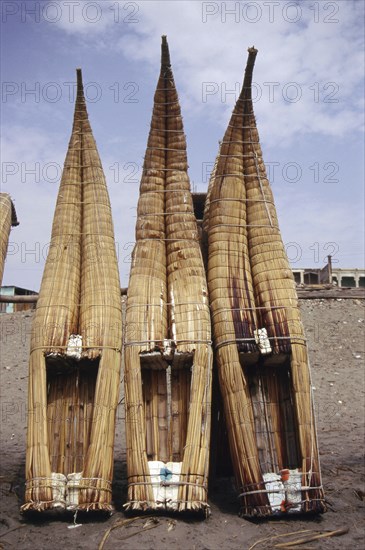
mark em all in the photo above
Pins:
pixel 13 291
pixel 341 277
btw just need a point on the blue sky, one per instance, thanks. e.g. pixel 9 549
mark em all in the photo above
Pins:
pixel 309 108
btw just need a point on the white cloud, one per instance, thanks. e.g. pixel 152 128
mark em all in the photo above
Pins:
pixel 310 54
pixel 312 230
pixel 302 59
pixel 81 16
pixel 324 46
pixel 32 163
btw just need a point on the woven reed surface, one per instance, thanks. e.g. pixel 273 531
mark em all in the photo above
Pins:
pixel 251 286
pixel 5 226
pixel 80 294
pixel 167 299
pixel 205 224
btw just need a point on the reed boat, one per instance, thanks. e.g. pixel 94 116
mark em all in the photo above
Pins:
pixel 259 342
pixel 168 355
pixel 8 219
pixel 75 354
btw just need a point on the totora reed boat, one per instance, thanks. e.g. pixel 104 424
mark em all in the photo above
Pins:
pixel 75 355
pixel 8 219
pixel 168 356
pixel 259 344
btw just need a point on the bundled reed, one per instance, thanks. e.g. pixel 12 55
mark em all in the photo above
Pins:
pixel 168 355
pixel 8 219
pixel 75 354
pixel 264 376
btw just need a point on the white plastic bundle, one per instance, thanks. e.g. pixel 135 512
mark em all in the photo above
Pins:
pixel 58 490
pixel 293 490
pixel 262 340
pixel 74 346
pixel 275 488
pixel 164 477
pixel 72 497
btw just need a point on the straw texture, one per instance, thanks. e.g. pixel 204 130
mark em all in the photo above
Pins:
pixel 7 220
pixel 167 320
pixel 72 401
pixel 251 287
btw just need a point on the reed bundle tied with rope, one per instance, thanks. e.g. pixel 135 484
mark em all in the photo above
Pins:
pixel 264 376
pixel 75 355
pixel 8 219
pixel 168 357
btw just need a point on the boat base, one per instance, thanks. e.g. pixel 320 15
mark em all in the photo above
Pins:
pixel 148 507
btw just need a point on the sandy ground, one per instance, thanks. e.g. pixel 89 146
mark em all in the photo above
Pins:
pixel 335 329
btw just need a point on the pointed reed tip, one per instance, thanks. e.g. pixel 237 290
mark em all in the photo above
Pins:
pixel 79 77
pixel 247 81
pixel 165 54
pixel 252 50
